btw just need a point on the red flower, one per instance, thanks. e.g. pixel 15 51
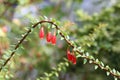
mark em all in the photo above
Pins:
pixel 53 39
pixel 69 56
pixel 74 59
pixel 48 37
pixel 41 33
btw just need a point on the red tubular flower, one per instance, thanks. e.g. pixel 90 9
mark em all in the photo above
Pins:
pixel 69 56
pixel 41 33
pixel 48 37
pixel 53 39
pixel 74 59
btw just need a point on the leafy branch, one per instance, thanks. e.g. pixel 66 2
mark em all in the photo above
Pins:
pixel 55 71
pixel 79 50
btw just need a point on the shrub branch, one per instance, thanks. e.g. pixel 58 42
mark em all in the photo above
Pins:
pixel 92 60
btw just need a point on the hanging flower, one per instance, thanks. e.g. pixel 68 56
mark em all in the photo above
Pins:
pixel 53 39
pixel 41 33
pixel 74 59
pixel 69 56
pixel 48 37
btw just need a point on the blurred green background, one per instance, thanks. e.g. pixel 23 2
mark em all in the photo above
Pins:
pixel 78 18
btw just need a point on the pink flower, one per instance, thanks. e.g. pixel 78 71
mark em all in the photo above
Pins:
pixel 41 33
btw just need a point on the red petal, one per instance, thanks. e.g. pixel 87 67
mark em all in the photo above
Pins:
pixel 41 33
pixel 53 40
pixel 74 59
pixel 48 37
pixel 69 56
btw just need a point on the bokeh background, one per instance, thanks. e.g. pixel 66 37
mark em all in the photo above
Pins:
pixel 78 18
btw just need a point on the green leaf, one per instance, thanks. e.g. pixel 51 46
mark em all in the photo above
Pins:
pixel 59 69
pixel 53 26
pixel 46 78
pixel 115 78
pixel 66 63
pixel 45 17
pixel 107 67
pixel 67 37
pixel 90 61
pixel 102 64
pixel 85 61
pixel 78 56
pixel 6 76
pixel 79 48
pixel 108 73
pixel 118 72
pixel 114 71
pixel 61 38
pixel 97 60
pixel 96 66
pixel 87 54
pixel 56 74
pixel 46 74
pixel 58 31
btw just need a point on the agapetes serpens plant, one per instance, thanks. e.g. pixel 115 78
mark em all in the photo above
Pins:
pixel 51 37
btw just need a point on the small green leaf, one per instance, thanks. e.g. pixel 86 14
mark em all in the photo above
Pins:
pixel 85 61
pixel 45 17
pixel 102 64
pixel 53 26
pixel 79 48
pixel 108 73
pixel 61 38
pixel 118 72
pixel 6 76
pixel 66 63
pixel 90 61
pixel 47 78
pixel 59 69
pixel 115 78
pixel 114 71
pixel 97 60
pixel 46 74
pixel 78 56
pixel 82 50
pixel 87 54
pixel 58 31
pixel 107 67
pixel 91 57
pixel 67 37
pixel 74 49
pixel 56 74
pixel 96 66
